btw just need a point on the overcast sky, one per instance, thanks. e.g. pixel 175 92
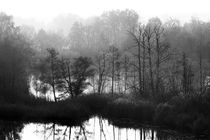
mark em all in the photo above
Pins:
pixel 45 10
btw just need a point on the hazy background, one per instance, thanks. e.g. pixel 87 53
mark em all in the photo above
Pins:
pixel 59 15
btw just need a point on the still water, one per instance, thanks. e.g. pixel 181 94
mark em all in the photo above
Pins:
pixel 94 129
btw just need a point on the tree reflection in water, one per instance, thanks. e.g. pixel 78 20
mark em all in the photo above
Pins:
pixel 10 130
pixel 94 129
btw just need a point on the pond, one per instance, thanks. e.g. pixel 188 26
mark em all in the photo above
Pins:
pixel 93 129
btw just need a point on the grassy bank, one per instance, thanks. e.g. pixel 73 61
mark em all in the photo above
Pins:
pixel 186 114
pixel 66 112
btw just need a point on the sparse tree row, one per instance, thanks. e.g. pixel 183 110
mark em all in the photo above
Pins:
pixel 115 53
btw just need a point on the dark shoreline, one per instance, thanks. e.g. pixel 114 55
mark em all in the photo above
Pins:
pixel 76 111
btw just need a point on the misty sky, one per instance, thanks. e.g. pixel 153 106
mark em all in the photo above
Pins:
pixel 46 10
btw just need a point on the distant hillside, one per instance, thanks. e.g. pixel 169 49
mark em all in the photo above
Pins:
pixel 61 23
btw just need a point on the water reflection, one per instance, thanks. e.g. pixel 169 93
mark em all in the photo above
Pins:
pixel 10 130
pixel 93 129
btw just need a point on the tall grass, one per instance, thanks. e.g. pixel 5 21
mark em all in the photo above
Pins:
pixel 67 111
pixel 188 114
pixel 141 111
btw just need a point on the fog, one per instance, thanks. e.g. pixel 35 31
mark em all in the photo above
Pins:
pixel 137 64
pixel 47 14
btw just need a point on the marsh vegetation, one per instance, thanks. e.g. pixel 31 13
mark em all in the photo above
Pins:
pixel 115 67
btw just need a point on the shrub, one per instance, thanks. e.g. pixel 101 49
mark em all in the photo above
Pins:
pixel 164 115
pixel 200 125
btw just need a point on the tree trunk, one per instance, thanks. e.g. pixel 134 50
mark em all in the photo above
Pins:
pixel 157 64
pixel 150 66
pixel 139 66
pixel 143 67
pixel 113 67
pixel 69 82
pixel 184 81
pixel 201 72
pixel 126 73
pixel 53 79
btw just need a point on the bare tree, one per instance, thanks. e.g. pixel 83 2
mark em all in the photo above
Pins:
pixel 101 69
pixel 187 75
pixel 66 82
pixel 51 79
pixel 114 55
pixel 149 34
pixel 138 40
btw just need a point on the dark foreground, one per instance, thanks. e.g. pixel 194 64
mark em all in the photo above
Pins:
pixel 186 115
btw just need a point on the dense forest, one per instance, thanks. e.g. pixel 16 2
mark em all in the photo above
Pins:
pixel 163 67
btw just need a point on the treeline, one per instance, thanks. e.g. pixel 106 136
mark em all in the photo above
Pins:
pixel 116 53
pixel 15 59
pixel 150 59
